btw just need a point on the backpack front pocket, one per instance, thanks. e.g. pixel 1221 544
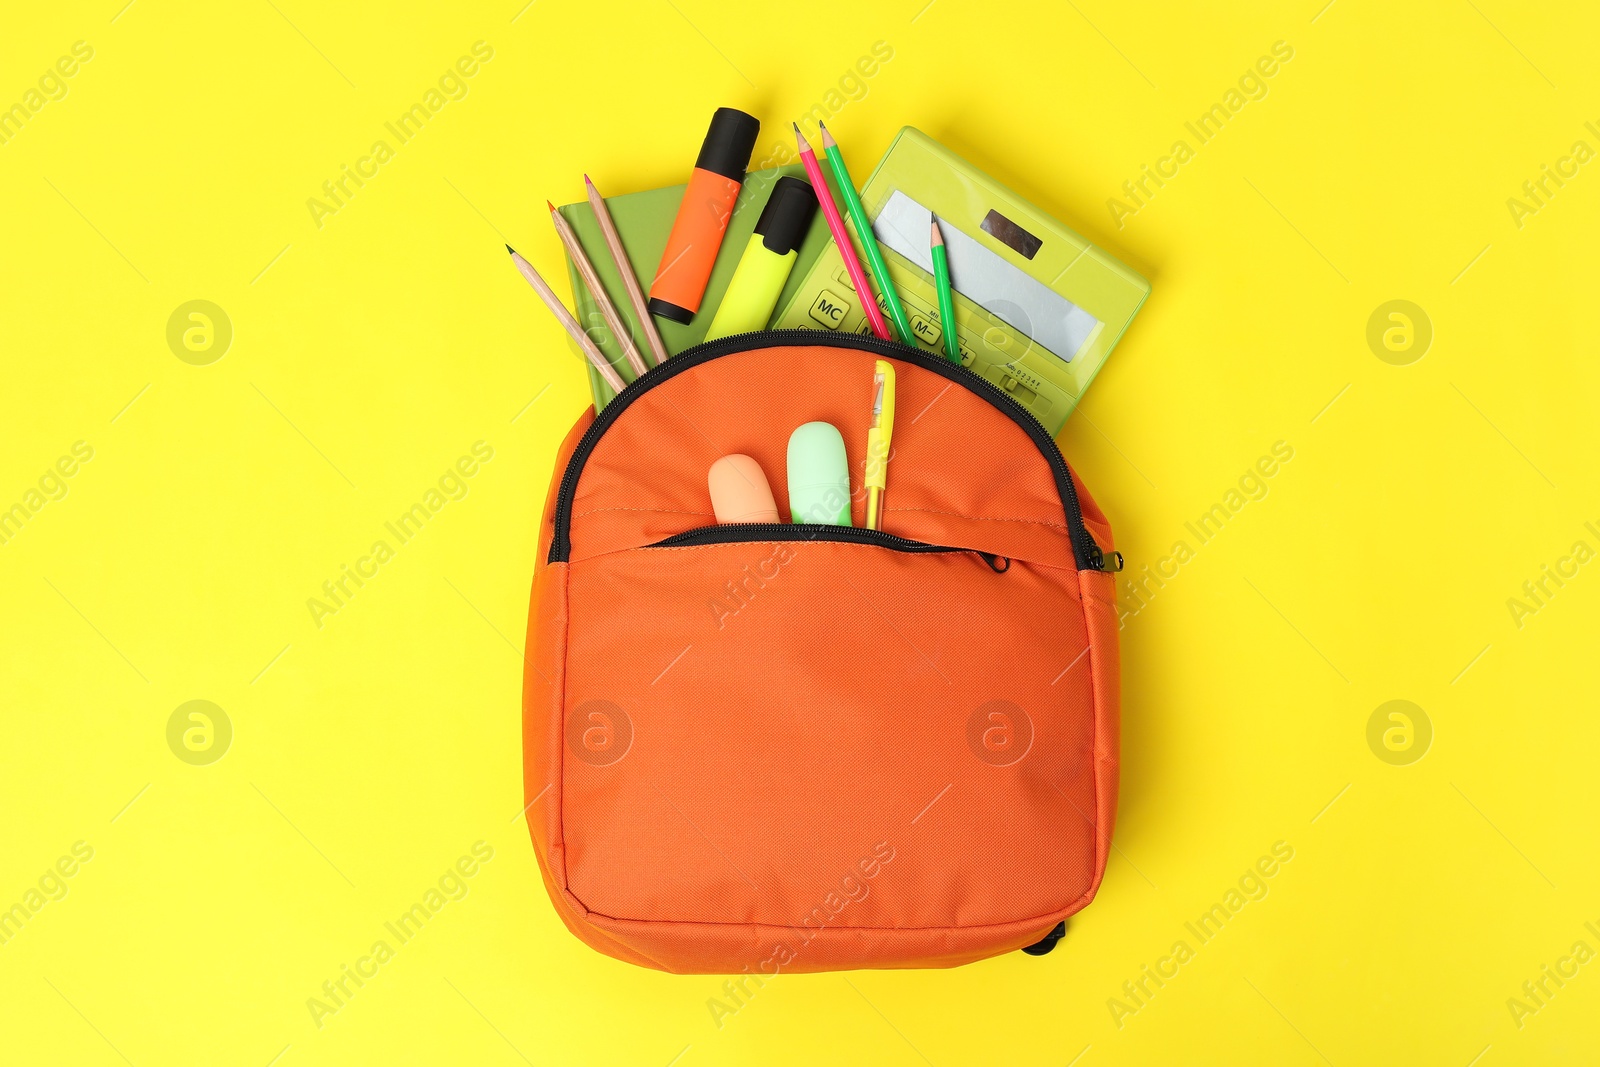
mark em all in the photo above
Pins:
pixel 750 719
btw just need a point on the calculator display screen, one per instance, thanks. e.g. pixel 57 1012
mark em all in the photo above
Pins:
pixel 980 274
pixel 1010 234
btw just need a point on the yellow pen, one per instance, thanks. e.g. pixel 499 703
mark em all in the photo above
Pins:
pixel 878 440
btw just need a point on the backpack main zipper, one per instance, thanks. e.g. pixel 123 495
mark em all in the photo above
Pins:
pixel 1086 553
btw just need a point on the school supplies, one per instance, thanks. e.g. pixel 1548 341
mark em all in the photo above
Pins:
pixel 878 440
pixel 644 220
pixel 703 215
pixel 941 281
pixel 739 491
pixel 655 632
pixel 768 258
pixel 1037 307
pixel 559 310
pixel 619 257
pixel 841 236
pixel 591 281
pixel 869 243
pixel 819 476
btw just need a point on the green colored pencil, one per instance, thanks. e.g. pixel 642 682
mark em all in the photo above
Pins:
pixel 947 300
pixel 869 242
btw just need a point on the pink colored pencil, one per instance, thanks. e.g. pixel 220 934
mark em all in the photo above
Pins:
pixel 841 236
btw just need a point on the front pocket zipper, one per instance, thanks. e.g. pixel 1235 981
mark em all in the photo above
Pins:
pixel 1086 553
pixel 734 532
pixel 740 532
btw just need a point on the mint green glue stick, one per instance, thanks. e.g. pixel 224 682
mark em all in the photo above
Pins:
pixel 819 475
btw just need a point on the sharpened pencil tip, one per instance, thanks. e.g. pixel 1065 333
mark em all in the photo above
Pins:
pixel 934 236
pixel 586 180
pixel 513 251
pixel 551 206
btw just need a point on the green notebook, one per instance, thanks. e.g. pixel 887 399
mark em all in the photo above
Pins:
pixel 643 221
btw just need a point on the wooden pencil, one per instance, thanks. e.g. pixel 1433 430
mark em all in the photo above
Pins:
pixel 591 280
pixel 630 280
pixel 559 310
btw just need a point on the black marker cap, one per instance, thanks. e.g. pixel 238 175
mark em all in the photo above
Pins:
pixel 787 217
pixel 668 310
pixel 728 143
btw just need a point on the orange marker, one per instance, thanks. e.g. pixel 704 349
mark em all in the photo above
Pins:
pixel 703 215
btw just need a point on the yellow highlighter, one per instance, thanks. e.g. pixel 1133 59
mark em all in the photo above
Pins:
pixel 768 258
pixel 878 440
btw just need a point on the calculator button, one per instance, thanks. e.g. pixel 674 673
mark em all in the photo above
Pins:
pixel 925 331
pixel 830 309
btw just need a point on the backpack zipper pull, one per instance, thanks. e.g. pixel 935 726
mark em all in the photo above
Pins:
pixel 1103 561
pixel 998 564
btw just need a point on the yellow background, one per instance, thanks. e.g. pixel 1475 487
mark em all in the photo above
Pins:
pixel 372 351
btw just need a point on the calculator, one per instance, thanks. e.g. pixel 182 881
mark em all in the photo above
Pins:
pixel 1037 307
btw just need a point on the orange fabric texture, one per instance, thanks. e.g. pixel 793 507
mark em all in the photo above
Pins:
pixel 784 753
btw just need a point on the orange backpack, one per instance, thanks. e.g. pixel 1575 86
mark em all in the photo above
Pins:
pixel 770 748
